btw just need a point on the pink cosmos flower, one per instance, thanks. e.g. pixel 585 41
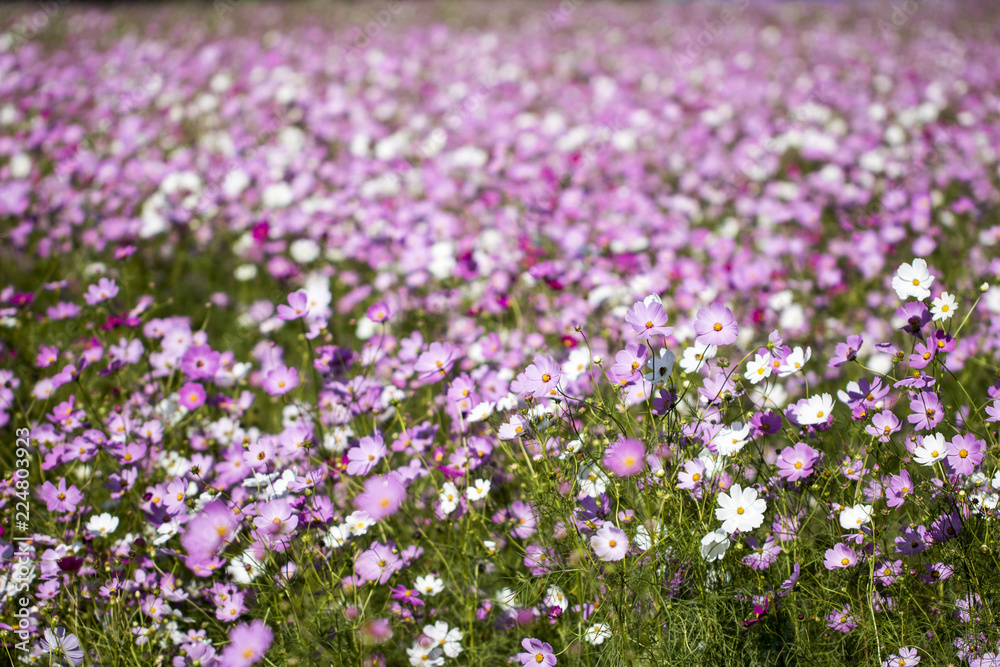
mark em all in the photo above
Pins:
pixel 105 289
pixel 247 644
pixel 648 319
pixel 846 351
pixel 965 452
pixel 379 312
pixel 377 564
pixel 537 653
pixel 542 377
pixel 207 532
pixel 795 463
pixel 363 458
pixel 436 361
pixel 900 486
pixel 382 496
pixel 200 362
pixel 60 498
pixel 281 380
pixel 626 457
pixel 297 308
pixel 609 543
pixel 715 325
pixel 191 396
pixel 839 557
pixel 927 411
pixel 883 425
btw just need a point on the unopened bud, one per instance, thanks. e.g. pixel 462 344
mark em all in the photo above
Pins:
pixel 598 360
pixel 984 287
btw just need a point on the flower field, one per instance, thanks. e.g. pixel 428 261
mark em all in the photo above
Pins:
pixel 435 333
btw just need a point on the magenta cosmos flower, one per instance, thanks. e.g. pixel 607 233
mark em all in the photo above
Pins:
pixel 281 380
pixel 59 498
pixel 648 319
pixel 537 652
pixel 609 543
pixel 382 496
pixel 247 644
pixel 795 463
pixel 626 457
pixel 715 325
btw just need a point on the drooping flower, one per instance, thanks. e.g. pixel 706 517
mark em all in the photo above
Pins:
pixel 714 545
pixel 58 642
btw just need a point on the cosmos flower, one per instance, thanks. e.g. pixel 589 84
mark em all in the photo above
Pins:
pixel 536 653
pixel 715 325
pixel 609 543
pixel 740 509
pixel 57 642
pixel 840 556
pixel 281 380
pixel 382 497
pixel 913 280
pixel 625 458
pixel 248 643
pixel 648 319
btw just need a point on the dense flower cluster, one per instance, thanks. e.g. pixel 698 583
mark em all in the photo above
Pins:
pixel 500 344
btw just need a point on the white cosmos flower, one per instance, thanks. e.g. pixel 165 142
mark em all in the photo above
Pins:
pixel 103 524
pixel 359 522
pixel 660 366
pixel 337 536
pixel 597 633
pixel 429 586
pixel 481 412
pixel 854 517
pixel 730 440
pixel 932 448
pixel 554 597
pixel 593 481
pixel 758 369
pixel 479 490
pixel 696 357
pixel 795 361
pixel 943 307
pixel 740 509
pixel 714 545
pixel 913 281
pixel 448 639
pixel 449 498
pixel 817 410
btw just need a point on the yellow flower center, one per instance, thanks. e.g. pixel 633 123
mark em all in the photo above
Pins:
pixel 845 561
pixel 718 326
pixel 739 510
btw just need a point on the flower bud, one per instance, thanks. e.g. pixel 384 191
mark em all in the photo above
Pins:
pixel 984 287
